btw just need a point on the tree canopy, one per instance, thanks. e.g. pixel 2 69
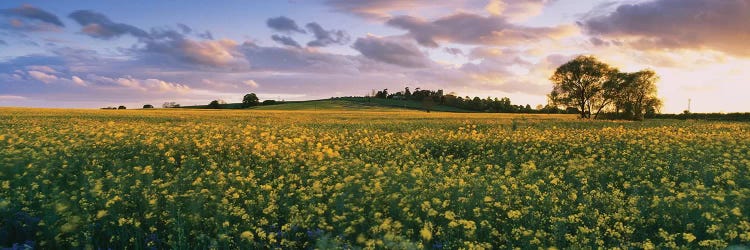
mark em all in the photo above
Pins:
pixel 214 105
pixel 250 100
pixel 592 87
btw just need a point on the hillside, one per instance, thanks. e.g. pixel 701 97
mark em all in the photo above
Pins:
pixel 344 103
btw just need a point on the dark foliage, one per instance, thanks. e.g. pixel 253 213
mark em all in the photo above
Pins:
pixel 214 105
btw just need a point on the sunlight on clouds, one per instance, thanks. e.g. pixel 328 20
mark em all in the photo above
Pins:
pixel 250 83
pixel 78 80
pixel 11 97
pixel 516 10
pixel 143 85
pixel 495 7
pixel 42 77
pixel 211 52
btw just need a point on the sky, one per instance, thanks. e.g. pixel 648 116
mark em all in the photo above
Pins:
pixel 91 54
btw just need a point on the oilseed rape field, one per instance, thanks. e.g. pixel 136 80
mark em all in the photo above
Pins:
pixel 378 179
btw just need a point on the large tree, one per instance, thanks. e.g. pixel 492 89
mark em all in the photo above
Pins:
pixel 250 100
pixel 638 94
pixel 580 83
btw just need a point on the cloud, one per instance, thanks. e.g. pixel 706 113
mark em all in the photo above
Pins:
pixel 374 8
pixel 2 42
pixel 276 59
pixel 42 68
pixel 676 24
pixel 284 24
pixel 171 46
pixel 42 77
pixel 78 80
pixel 31 18
pixel 516 10
pixel 385 9
pixel 206 35
pixel 11 98
pixel 454 51
pixel 216 53
pixel 326 37
pixel 285 40
pixel 467 28
pixel 164 86
pixel 151 84
pixel 598 41
pixel 495 62
pixel 100 26
pixel 391 51
pixel 505 70
pixel 164 45
pixel 184 28
pixel 250 83
pixel 31 12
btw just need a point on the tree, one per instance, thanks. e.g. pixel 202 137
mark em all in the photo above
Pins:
pixel 214 105
pixel 580 83
pixel 148 106
pixel 382 94
pixel 639 94
pixel 250 100
pixel 428 104
pixel 269 102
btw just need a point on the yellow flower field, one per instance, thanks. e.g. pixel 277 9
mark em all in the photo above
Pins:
pixel 351 179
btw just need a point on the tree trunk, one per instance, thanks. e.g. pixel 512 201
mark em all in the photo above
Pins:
pixel 583 110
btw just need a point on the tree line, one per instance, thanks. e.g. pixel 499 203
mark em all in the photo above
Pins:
pixel 429 98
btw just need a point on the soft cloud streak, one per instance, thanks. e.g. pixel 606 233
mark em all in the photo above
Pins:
pixel 100 26
pixel 468 28
pixel 284 24
pixel 30 18
pixel 326 37
pixel 391 51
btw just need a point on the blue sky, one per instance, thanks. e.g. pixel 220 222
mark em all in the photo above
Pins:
pixel 105 53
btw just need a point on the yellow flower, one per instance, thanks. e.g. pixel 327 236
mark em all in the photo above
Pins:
pixel 514 214
pixel 101 214
pixel 736 211
pixel 688 237
pixel 450 215
pixel 488 199
pixel 648 245
pixel 247 235
pixel 426 231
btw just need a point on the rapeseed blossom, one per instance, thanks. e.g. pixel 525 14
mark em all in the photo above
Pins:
pixel 376 180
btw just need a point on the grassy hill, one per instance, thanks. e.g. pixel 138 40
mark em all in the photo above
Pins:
pixel 344 103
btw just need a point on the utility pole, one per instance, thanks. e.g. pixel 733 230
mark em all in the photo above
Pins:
pixel 689 102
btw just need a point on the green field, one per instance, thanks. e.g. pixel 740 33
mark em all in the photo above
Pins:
pixel 342 174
